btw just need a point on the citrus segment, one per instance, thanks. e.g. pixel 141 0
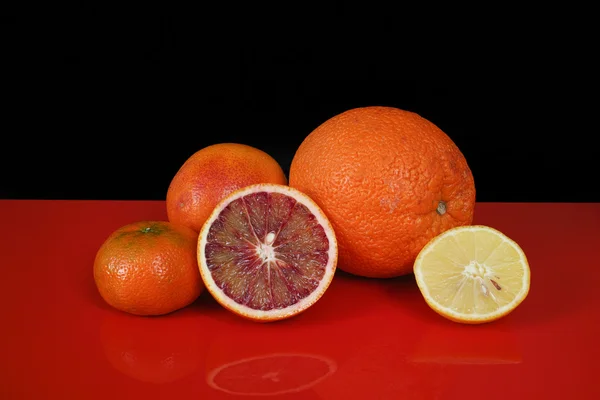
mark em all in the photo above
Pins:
pixel 267 252
pixel 472 274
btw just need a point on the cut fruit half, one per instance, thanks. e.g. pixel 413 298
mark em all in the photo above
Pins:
pixel 472 274
pixel 267 252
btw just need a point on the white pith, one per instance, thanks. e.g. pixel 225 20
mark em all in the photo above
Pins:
pixel 267 253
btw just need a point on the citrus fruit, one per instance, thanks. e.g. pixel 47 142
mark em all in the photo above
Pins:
pixel 148 268
pixel 389 180
pixel 472 274
pixel 213 172
pixel 267 252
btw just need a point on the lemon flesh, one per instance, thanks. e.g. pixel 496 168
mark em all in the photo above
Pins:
pixel 472 274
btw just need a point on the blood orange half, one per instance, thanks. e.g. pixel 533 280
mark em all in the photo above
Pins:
pixel 267 252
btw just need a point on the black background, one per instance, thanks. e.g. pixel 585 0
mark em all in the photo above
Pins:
pixel 107 103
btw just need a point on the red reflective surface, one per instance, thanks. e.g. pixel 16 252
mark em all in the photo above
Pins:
pixel 365 338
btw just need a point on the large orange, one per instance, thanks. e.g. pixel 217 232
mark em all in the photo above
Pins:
pixel 212 173
pixel 389 180
pixel 149 268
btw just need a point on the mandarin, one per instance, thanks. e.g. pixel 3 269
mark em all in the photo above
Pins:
pixel 389 180
pixel 149 268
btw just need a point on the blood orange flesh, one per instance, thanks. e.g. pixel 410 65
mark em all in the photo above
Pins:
pixel 267 252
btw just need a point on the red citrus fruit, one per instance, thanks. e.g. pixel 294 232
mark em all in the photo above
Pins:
pixel 267 252
pixel 213 172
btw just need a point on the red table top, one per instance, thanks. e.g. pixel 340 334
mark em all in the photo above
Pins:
pixel 365 338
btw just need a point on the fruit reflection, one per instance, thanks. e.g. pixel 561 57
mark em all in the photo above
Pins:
pixel 378 369
pixel 255 359
pixel 152 349
pixel 457 344
pixel 271 374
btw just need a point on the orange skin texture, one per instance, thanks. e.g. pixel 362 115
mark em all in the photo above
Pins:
pixel 380 173
pixel 212 173
pixel 149 268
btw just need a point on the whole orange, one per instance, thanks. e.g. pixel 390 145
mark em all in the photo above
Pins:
pixel 389 180
pixel 149 268
pixel 213 172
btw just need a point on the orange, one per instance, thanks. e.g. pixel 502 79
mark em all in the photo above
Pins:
pixel 213 172
pixel 472 274
pixel 149 268
pixel 267 252
pixel 389 180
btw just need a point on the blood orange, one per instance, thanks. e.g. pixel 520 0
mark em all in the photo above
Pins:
pixel 267 252
pixel 213 172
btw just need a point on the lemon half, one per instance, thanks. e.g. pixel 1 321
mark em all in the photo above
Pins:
pixel 472 274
